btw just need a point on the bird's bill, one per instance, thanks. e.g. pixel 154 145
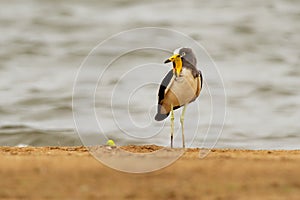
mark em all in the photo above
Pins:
pixel 172 58
pixel 167 61
pixel 177 63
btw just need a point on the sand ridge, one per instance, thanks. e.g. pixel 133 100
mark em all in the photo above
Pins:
pixel 73 173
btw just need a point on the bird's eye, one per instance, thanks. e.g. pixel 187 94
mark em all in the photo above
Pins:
pixel 182 54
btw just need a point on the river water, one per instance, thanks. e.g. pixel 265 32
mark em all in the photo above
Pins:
pixel 254 44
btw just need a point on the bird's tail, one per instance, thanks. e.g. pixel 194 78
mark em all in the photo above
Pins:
pixel 160 117
pixel 162 113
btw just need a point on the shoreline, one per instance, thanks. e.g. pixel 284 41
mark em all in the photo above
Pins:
pixel 72 172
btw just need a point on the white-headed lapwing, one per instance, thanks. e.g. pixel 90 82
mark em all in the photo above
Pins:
pixel 181 86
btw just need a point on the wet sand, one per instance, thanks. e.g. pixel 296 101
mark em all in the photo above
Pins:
pixel 71 172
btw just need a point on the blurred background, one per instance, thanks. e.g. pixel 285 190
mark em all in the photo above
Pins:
pixel 255 45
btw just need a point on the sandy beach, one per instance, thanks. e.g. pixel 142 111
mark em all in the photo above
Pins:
pixel 72 173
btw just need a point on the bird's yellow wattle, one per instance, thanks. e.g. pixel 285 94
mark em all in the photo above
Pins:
pixel 176 59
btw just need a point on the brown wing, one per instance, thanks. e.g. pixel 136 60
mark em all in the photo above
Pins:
pixel 199 85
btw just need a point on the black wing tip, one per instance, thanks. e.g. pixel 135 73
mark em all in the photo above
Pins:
pixel 160 117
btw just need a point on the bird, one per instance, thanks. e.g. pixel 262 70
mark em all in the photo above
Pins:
pixel 180 86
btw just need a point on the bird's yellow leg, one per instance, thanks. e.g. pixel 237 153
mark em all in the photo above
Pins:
pixel 172 125
pixel 182 128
